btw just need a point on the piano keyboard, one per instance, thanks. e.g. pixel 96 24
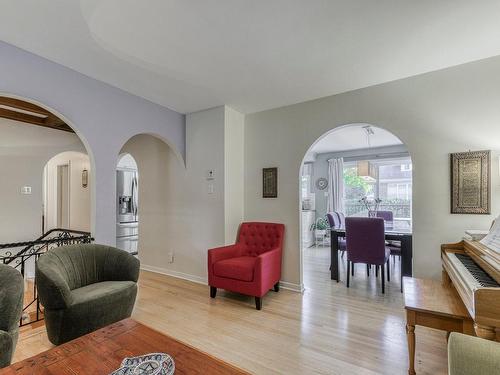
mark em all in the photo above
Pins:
pixel 482 278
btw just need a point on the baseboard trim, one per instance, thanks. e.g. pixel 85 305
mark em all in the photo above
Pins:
pixel 179 275
pixel 299 288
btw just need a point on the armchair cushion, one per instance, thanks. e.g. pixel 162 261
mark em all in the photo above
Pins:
pixel 107 290
pixel 240 268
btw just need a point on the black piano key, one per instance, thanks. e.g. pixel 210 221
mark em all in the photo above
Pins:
pixel 477 272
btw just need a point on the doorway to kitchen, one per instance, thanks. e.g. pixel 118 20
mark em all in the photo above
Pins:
pixel 127 204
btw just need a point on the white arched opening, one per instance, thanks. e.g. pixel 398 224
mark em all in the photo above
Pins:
pixel 66 192
pixel 375 165
pixel 160 206
pixel 32 134
pixel 127 203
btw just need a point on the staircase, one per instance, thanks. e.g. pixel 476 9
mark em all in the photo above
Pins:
pixel 23 256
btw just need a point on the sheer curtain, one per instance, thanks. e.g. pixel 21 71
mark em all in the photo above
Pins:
pixel 335 185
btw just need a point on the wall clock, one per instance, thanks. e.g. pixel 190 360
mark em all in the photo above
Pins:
pixel 321 183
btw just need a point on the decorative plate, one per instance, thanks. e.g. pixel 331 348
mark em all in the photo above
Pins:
pixel 149 364
pixel 321 183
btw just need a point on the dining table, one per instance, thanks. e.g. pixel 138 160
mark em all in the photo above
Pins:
pixel 403 235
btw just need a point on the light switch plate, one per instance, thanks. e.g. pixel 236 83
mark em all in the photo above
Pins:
pixel 26 190
pixel 210 188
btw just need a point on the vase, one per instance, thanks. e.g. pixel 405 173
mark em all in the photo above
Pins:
pixel 372 213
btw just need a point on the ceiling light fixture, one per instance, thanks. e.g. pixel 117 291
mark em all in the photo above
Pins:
pixel 366 170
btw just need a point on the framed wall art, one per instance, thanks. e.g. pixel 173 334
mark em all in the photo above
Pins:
pixel 470 182
pixel 269 182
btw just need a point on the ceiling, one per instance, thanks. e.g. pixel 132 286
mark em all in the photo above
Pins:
pixel 251 55
pixel 354 137
pixel 27 113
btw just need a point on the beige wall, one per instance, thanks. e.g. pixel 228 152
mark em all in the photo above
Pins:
pixel 452 110
pixel 234 175
pixel 24 150
pixel 79 196
pixel 177 214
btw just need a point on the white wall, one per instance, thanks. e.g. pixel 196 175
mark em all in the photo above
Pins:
pixel 79 196
pixel 452 110
pixel 234 175
pixel 24 151
pixel 177 213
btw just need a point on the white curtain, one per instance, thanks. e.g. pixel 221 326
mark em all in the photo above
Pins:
pixel 336 185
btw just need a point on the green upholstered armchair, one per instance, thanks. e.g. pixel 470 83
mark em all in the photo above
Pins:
pixel 469 355
pixel 11 308
pixel 85 287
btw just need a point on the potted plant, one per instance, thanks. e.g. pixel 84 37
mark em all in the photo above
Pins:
pixel 320 228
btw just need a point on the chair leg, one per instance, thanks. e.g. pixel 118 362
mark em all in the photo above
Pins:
pixel 376 271
pixel 383 278
pixel 368 270
pixel 388 270
pixel 342 254
pixel 258 303
pixel 213 291
pixel 277 287
pixel 352 268
pixel 348 272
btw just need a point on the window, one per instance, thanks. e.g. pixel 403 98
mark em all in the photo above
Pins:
pixel 398 191
pixel 406 167
pixel 306 180
pixel 392 184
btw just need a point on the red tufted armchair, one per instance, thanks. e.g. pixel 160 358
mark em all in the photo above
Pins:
pixel 252 266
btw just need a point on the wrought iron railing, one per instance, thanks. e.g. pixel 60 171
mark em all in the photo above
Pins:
pixel 23 256
pixel 402 211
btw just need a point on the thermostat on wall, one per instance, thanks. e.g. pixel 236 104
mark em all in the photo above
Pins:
pixel 26 190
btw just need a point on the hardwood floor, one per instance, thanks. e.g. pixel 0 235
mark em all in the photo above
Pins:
pixel 327 330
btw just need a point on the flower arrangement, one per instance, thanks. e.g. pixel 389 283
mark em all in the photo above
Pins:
pixel 371 205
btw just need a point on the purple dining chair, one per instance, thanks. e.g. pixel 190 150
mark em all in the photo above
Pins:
pixel 386 215
pixel 335 219
pixel 366 244
pixel 394 246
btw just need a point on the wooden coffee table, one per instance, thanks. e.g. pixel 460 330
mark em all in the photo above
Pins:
pixel 102 352
pixel 431 304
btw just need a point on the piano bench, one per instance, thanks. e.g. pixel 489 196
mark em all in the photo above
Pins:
pixel 429 303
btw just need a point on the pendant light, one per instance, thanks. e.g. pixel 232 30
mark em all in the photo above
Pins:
pixel 366 170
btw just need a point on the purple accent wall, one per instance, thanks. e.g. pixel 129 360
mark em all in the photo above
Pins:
pixel 103 116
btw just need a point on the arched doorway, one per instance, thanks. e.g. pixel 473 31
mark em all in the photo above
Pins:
pixel 127 204
pixel 30 135
pixel 46 184
pixel 348 170
pixel 66 192
pixel 160 208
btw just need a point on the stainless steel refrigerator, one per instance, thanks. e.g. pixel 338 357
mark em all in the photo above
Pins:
pixel 127 226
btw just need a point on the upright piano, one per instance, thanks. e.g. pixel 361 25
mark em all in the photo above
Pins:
pixel 474 270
